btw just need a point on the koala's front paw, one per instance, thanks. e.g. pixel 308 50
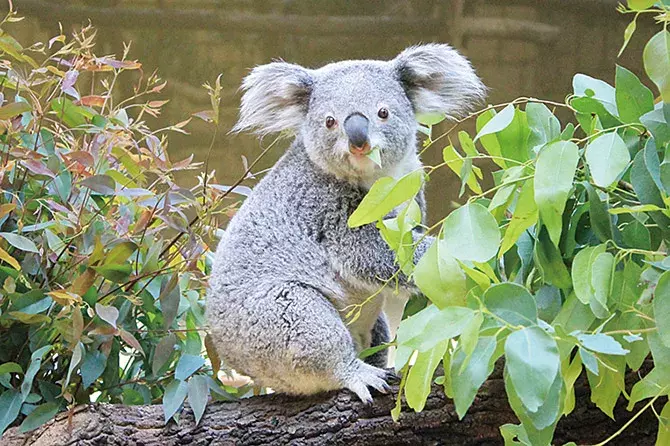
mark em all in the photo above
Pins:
pixel 361 376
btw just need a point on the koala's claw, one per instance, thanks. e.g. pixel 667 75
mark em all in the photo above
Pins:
pixel 364 376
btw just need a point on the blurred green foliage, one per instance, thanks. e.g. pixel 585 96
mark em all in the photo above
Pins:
pixel 103 255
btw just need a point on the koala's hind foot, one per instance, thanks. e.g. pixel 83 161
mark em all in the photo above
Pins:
pixel 360 376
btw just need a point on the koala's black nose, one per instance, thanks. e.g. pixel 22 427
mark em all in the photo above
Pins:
pixel 356 127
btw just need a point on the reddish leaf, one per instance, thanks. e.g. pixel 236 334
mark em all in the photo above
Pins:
pixel 102 184
pixel 37 167
pixel 130 340
pixel 92 101
pixel 82 157
pixel 157 104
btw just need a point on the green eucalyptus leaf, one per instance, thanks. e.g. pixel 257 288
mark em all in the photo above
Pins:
pixel 601 343
pixel 656 121
pixel 604 93
pixel 525 215
pixel 544 126
pixel 608 158
pixel 532 362
pixel 420 377
pixel 662 307
pixel 11 402
pixel 431 326
pixel 384 195
pixel 198 391
pixel 582 267
pixel 19 241
pixel 633 99
pixel 608 384
pixel 92 367
pixel 39 416
pixel 554 173
pixel 163 352
pixel 497 123
pixel 439 276
pixel 490 141
pixel 467 380
pixel 512 303
pixel 471 233
pixel 188 365
pixel 656 57
pixel 639 5
pixel 601 283
pixel 174 396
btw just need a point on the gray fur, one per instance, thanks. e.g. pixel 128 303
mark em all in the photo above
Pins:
pixel 288 264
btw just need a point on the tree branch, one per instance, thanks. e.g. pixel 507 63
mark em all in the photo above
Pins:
pixel 335 418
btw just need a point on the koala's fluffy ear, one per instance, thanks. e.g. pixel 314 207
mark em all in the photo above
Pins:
pixel 438 79
pixel 275 98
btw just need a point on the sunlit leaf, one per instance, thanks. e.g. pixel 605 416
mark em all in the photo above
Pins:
pixel 439 276
pixel 656 58
pixel 384 195
pixel 554 173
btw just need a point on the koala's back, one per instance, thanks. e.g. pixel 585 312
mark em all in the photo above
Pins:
pixel 275 236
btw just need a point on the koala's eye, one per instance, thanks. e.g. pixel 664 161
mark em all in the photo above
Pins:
pixel 330 122
pixel 383 113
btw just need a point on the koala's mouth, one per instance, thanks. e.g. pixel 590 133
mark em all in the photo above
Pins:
pixel 360 151
pixel 365 162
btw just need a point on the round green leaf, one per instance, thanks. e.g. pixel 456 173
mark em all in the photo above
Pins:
pixel 607 157
pixel 472 233
pixel 439 276
pixel 638 5
pixel 656 58
pixel 512 303
pixel 532 361
pixel 581 272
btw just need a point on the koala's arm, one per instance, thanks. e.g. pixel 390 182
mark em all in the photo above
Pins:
pixel 363 252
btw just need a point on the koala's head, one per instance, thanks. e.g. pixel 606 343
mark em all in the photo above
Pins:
pixel 344 110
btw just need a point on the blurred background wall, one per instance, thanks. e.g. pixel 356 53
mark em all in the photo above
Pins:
pixel 519 47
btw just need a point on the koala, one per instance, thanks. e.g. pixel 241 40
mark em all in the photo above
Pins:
pixel 288 264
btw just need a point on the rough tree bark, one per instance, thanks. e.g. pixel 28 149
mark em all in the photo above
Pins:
pixel 336 418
